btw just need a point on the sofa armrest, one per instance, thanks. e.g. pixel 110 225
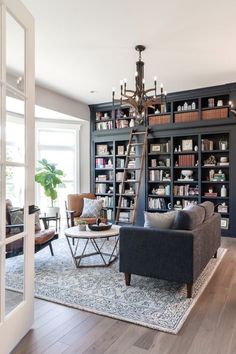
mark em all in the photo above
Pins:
pixel 165 254
pixel 207 239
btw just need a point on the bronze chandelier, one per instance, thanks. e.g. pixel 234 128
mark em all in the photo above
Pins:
pixel 140 99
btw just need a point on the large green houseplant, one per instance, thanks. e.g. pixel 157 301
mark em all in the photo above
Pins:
pixel 49 177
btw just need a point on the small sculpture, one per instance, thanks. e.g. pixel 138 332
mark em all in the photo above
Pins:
pixel 210 161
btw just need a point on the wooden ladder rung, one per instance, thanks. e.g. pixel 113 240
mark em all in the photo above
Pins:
pixel 139 133
pixel 135 144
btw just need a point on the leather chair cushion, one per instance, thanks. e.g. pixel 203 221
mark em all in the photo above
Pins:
pixel 43 236
pixel 76 202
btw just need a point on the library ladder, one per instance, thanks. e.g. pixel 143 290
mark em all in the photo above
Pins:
pixel 136 149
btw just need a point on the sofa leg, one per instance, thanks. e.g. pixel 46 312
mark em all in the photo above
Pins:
pixel 189 290
pixel 127 279
pixel 51 249
pixel 215 255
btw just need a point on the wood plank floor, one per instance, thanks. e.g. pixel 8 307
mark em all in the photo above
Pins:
pixel 209 329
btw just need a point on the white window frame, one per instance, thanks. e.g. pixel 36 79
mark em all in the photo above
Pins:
pixel 52 125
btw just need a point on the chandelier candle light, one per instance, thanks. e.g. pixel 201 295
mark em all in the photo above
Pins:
pixel 140 99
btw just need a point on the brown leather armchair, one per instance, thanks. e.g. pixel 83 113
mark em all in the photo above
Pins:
pixel 74 208
pixel 43 238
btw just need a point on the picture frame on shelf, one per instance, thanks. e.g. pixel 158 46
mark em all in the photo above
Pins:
pixel 102 149
pixel 222 208
pixel 120 150
pixel 155 148
pixel 187 145
pixel 224 223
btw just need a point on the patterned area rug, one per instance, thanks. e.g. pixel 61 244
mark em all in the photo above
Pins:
pixel 152 303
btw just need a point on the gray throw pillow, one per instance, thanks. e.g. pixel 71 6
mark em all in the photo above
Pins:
pixel 92 208
pixel 161 221
pixel 209 208
pixel 189 219
pixel 16 216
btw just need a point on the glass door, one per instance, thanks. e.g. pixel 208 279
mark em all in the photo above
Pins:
pixel 16 172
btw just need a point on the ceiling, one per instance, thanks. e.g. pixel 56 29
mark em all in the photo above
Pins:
pixel 84 46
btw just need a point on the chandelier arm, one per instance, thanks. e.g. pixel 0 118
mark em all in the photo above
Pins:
pixel 130 91
pixel 150 102
pixel 127 96
pixel 149 90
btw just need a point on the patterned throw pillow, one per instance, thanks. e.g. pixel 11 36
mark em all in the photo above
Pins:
pixel 16 216
pixel 92 208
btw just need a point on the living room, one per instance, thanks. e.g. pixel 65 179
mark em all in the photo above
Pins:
pixel 117 169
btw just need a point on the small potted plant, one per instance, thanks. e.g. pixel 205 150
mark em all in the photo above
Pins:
pixel 49 177
pixel 81 225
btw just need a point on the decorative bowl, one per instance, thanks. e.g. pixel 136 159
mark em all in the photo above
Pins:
pixel 187 173
pixel 100 227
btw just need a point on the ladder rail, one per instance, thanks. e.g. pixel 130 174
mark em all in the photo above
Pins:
pixel 126 169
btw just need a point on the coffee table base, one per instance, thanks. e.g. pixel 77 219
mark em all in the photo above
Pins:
pixel 77 258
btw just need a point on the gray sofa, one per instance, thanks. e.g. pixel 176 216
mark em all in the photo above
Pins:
pixel 178 254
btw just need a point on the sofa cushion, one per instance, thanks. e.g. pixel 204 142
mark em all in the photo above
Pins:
pixel 209 209
pixel 44 236
pixel 189 219
pixel 92 208
pixel 161 221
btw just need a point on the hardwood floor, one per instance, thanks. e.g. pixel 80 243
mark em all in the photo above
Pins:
pixel 209 329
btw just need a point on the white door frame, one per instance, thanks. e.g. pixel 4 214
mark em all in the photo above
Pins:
pixel 17 323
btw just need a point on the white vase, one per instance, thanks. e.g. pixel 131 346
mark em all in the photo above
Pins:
pixel 52 211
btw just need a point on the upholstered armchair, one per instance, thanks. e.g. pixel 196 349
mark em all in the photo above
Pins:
pixel 14 225
pixel 74 208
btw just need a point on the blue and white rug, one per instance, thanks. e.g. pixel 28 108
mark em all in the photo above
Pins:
pixel 152 303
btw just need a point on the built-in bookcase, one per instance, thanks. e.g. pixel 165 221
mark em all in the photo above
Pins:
pixel 190 156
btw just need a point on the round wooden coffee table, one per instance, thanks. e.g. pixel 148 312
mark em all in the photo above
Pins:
pixel 97 239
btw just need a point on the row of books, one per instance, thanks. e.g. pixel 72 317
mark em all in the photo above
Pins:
pixel 126 216
pixel 186 190
pixel 207 145
pixel 156 203
pixel 186 160
pixel 104 125
pixel 186 117
pixel 107 201
pixel 158 175
pixel 103 163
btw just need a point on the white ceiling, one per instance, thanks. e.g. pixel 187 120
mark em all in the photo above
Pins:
pixel 89 45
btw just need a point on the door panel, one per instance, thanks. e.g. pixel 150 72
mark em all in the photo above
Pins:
pixel 15 42
pixel 16 172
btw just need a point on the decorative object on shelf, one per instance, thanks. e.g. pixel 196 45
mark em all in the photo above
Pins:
pixel 139 99
pixel 185 106
pixel 223 144
pixel 211 175
pixel 187 175
pixel 222 208
pixel 155 148
pixel 102 149
pixel 211 161
pixel 219 103
pixel 224 223
pixel 196 148
pixel 211 102
pixel 131 124
pixel 178 205
pixel 179 108
pixel 168 162
pixel 120 150
pixel 193 105
pixel 187 145
pixel 179 148
pixel 223 161
pixel 223 191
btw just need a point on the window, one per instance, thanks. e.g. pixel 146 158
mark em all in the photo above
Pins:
pixel 58 143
